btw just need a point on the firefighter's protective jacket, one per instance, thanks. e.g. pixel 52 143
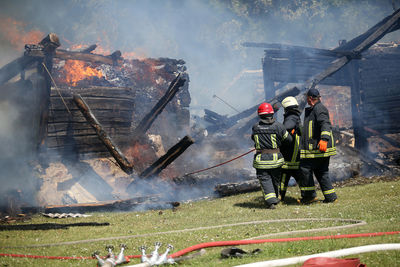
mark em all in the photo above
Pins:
pixel 269 136
pixel 316 126
pixel 291 153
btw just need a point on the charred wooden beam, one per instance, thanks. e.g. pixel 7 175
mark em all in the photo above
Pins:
pixel 113 59
pixel 125 204
pixel 47 226
pixel 392 141
pixel 89 49
pixel 250 115
pixel 222 123
pixel 388 24
pixel 359 45
pixel 360 139
pixel 149 118
pixel 229 189
pixel 308 50
pixel 47 47
pixel 218 121
pixel 49 44
pixel 15 67
pixel 103 136
pixel 172 154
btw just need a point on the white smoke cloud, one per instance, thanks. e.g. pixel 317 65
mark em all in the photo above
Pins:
pixel 206 34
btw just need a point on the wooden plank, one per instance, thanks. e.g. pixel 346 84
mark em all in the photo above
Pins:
pixel 149 118
pixel 378 33
pixel 74 55
pixel 125 204
pixel 112 114
pixel 78 141
pixel 15 67
pixel 98 91
pixel 296 48
pixel 172 154
pixel 249 116
pixel 106 120
pixel 95 102
pixel 103 136
pixel 78 126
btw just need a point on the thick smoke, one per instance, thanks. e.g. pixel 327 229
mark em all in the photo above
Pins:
pixel 206 34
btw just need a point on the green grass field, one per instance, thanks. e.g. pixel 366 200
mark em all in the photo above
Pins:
pixel 377 203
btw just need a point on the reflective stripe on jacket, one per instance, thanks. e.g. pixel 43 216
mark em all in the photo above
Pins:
pixel 317 126
pixel 269 136
pixel 291 152
pixel 294 162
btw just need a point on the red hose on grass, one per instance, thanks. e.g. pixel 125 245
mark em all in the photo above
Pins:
pixel 218 244
pixel 276 240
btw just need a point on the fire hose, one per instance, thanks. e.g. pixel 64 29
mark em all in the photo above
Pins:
pixel 220 164
pixel 333 254
pixel 219 244
pixel 216 243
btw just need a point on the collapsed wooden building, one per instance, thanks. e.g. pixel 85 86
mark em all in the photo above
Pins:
pixel 374 82
pixel 369 69
pixel 77 105
pixel 370 107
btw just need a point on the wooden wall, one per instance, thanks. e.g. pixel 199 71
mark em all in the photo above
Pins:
pixel 113 108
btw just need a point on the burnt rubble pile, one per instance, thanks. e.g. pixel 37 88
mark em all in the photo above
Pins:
pixel 119 99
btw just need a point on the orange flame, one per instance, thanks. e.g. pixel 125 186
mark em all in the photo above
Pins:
pixel 15 32
pixel 76 71
pixel 141 155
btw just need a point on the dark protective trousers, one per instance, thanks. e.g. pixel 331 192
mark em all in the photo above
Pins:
pixel 269 180
pixel 307 187
pixel 320 168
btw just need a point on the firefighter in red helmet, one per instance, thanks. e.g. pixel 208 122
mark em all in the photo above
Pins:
pixel 268 136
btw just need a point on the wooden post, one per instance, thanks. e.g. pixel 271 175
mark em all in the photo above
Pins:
pixel 172 154
pixel 361 142
pixel 269 88
pixel 149 118
pixel 49 45
pixel 103 136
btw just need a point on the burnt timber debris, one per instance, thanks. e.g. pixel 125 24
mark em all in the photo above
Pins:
pixel 172 154
pixel 148 120
pixel 124 204
pixel 48 226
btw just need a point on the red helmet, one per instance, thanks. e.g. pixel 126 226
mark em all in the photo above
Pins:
pixel 265 108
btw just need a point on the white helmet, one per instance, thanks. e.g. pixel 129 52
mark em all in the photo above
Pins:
pixel 289 101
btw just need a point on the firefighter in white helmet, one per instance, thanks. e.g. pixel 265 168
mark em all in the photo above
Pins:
pixel 291 153
pixel 268 136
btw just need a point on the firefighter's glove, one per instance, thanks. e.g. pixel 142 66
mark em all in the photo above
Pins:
pixel 323 145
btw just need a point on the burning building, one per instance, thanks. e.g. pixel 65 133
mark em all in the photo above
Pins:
pixel 76 106
pixel 100 121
